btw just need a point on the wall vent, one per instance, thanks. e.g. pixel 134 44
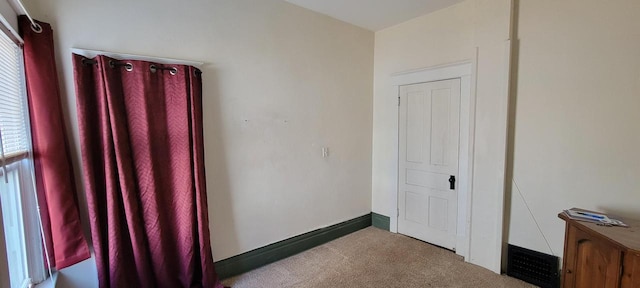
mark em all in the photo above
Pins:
pixel 533 267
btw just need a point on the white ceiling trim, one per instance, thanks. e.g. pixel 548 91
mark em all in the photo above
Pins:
pixel 374 15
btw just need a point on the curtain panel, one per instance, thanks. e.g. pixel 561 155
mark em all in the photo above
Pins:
pixel 143 158
pixel 55 184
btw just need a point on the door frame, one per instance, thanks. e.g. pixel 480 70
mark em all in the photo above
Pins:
pixel 463 71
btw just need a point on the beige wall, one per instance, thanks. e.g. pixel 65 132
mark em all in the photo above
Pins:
pixel 574 133
pixel 576 94
pixel 447 36
pixel 406 47
pixel 577 117
pixel 280 83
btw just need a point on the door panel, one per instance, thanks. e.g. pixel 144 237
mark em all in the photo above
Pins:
pixel 590 262
pixel 631 277
pixel 438 208
pixel 415 137
pixel 415 203
pixel 440 128
pixel 429 142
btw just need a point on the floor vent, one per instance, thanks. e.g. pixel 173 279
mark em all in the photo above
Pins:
pixel 534 267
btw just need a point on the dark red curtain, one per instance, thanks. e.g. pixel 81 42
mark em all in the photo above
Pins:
pixel 55 183
pixel 143 159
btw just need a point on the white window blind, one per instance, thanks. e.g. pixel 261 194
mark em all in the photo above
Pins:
pixel 13 126
pixel 20 218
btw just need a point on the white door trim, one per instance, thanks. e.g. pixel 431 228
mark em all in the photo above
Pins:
pixel 463 71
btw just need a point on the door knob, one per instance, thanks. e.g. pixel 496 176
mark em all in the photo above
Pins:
pixel 452 182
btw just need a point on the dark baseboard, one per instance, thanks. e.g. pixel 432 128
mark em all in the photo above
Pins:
pixel 380 221
pixel 271 253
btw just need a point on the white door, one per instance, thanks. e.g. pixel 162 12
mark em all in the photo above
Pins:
pixel 428 161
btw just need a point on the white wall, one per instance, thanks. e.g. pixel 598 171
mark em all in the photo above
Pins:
pixel 280 83
pixel 8 13
pixel 446 36
pixel 577 115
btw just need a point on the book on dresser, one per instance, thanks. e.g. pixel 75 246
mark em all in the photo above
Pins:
pixel 597 255
pixel 595 217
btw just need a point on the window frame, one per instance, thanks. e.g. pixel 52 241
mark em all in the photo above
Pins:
pixel 34 255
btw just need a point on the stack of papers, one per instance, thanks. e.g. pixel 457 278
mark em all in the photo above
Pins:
pixel 593 217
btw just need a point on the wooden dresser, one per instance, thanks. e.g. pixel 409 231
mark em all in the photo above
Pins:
pixel 599 256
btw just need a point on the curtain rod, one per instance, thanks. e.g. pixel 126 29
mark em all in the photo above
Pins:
pixel 93 53
pixel 34 25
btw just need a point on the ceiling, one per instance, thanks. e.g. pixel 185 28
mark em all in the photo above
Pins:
pixel 374 15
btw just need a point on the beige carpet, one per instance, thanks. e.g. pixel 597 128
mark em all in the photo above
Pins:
pixel 373 258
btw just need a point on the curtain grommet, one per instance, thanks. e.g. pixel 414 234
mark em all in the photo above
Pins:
pixel 173 71
pixel 35 27
pixel 153 68
pixel 128 67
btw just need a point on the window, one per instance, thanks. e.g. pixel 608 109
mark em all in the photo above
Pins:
pixel 18 200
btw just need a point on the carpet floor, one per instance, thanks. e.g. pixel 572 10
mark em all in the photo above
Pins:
pixel 373 258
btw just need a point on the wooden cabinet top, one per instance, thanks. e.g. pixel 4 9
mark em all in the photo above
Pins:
pixel 625 238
